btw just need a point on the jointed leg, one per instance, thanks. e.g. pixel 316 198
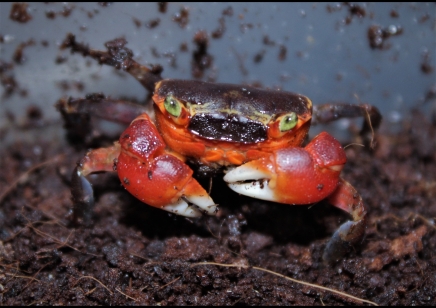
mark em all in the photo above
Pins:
pixel 98 160
pixel 349 233
pixel 120 57
pixel 330 112
pixel 78 111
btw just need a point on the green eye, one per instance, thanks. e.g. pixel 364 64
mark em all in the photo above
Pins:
pixel 172 106
pixel 288 122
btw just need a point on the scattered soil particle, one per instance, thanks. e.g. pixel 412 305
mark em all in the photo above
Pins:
pixel 182 17
pixel 19 13
pixel 282 52
pixel 105 4
pixel 50 14
pixel 153 23
pixel 162 7
pixel 228 11
pixel 267 41
pixel 18 55
pixel 258 57
pixel 426 66
pixel 424 17
pixel 201 59
pixel 394 14
pixel 356 10
pixel 137 22
pixel 219 32
pixel 9 84
pixel 65 12
pixel 377 35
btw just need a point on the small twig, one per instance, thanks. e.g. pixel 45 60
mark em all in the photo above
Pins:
pixel 95 279
pixel 368 120
pixel 291 279
pixel 322 303
pixel 89 292
pixel 171 282
pixel 54 239
pixel 20 276
pixel 25 174
pixel 132 298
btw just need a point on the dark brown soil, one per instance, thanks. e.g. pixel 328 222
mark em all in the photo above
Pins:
pixel 135 254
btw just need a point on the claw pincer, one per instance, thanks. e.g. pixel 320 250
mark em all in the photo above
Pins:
pixel 156 177
pixel 292 175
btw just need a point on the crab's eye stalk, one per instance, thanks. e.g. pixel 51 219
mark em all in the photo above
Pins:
pixel 288 122
pixel 282 125
pixel 173 106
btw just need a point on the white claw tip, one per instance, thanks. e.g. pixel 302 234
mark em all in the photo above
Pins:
pixel 255 189
pixel 192 206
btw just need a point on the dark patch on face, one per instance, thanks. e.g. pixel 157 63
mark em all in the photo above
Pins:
pixel 227 127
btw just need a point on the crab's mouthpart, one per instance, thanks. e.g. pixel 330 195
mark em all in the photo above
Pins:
pixel 251 181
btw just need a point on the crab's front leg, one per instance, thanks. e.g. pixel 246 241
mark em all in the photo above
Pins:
pixel 304 176
pixel 146 170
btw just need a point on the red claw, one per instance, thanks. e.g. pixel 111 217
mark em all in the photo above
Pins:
pixel 310 173
pixel 156 177
pixel 292 175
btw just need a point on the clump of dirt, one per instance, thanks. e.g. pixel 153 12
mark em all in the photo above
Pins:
pixel 378 35
pixel 135 254
pixel 19 13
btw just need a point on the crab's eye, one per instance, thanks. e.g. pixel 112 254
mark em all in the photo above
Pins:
pixel 288 122
pixel 173 106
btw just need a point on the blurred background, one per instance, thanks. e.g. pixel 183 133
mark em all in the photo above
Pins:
pixel 378 53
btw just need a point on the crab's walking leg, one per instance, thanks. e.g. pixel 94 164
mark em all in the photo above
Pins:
pixel 118 56
pixel 98 160
pixel 331 112
pixel 77 113
pixel 99 106
pixel 349 233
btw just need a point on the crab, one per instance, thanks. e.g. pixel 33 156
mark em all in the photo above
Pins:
pixel 254 136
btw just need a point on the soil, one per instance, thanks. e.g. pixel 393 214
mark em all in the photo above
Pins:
pixel 135 254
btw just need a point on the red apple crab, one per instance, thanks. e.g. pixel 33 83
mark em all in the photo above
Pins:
pixel 255 135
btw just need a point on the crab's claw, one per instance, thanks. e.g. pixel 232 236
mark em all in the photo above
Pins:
pixel 165 182
pixel 292 175
pixel 156 177
pixel 304 176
